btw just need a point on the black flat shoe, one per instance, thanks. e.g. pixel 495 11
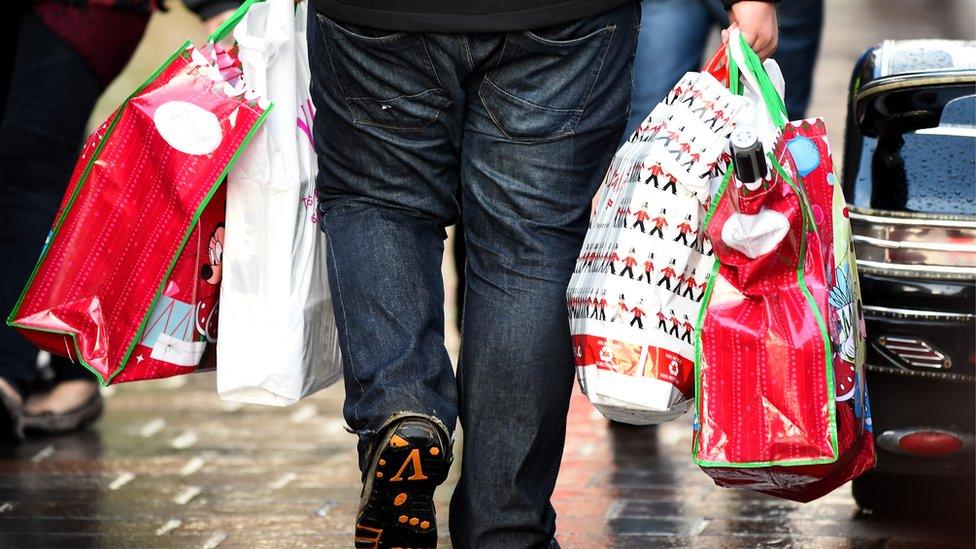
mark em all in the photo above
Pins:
pixel 11 420
pixel 50 423
pixel 397 508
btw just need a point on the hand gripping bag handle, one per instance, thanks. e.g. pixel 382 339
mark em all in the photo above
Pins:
pixel 744 63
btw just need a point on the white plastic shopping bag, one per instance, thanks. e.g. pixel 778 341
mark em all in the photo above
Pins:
pixel 635 296
pixel 278 339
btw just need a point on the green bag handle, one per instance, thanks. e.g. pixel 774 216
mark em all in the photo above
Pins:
pixel 227 26
pixel 771 98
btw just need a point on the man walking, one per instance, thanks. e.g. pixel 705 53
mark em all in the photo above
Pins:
pixel 520 103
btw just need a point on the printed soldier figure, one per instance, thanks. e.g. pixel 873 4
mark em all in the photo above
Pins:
pixel 648 269
pixel 656 171
pixel 612 260
pixel 674 95
pixel 667 274
pixel 600 308
pixel 634 176
pixel 662 321
pixel 706 105
pixel 620 220
pixel 699 244
pixel 705 251
pixel 621 309
pixel 693 158
pixel 672 183
pixel 684 229
pixel 588 304
pixel 675 323
pixel 641 216
pixel 657 127
pixel 638 315
pixel 681 280
pixel 718 115
pixel 629 263
pixel 686 336
pixel 670 136
pixel 660 222
pixel 593 256
pixel 690 98
pixel 690 286
pixel 715 169
pixel 702 286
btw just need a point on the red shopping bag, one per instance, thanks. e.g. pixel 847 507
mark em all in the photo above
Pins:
pixel 781 400
pixel 127 282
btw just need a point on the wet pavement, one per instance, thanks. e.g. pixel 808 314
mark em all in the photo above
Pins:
pixel 169 465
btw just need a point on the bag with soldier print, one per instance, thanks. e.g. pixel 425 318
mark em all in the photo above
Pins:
pixel 641 275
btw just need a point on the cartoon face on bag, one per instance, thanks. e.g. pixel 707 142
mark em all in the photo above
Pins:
pixel 212 271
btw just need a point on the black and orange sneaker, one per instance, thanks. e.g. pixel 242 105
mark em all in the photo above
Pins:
pixel 397 508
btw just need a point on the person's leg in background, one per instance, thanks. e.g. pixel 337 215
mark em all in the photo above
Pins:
pixel 52 92
pixel 460 255
pixel 800 26
pixel 532 159
pixel 672 40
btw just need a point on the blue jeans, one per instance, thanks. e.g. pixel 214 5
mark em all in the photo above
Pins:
pixel 526 124
pixel 674 38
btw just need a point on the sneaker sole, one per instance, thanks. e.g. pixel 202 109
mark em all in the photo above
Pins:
pixel 399 511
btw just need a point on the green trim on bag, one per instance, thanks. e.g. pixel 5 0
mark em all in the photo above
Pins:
pixel 772 100
pixel 824 334
pixel 83 179
pixel 196 219
pixel 821 325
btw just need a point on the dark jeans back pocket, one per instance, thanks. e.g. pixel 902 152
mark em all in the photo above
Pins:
pixel 386 79
pixel 540 86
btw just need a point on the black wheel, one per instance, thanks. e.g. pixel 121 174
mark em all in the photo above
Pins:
pixel 919 494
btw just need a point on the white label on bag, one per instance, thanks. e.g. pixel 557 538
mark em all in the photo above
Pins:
pixel 188 128
pixel 175 351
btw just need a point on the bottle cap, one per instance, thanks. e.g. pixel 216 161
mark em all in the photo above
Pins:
pixel 747 155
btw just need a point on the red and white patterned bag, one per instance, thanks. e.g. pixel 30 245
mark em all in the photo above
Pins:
pixel 634 297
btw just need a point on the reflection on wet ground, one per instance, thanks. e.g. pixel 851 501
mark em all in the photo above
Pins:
pixel 171 466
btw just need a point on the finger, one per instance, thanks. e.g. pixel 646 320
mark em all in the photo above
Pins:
pixel 725 36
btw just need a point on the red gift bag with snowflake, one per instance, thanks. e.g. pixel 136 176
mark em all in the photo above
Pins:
pixel 128 280
pixel 781 400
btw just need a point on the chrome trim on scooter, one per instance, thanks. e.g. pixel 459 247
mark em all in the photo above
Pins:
pixel 921 271
pixel 905 245
pixel 911 352
pixel 915 314
pixel 887 217
pixel 924 374
pixel 911 80
pixel 912 245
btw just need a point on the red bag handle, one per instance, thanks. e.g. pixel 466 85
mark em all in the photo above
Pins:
pixel 718 66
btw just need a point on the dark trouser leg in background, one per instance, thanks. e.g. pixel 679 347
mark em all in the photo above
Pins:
pixel 51 95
